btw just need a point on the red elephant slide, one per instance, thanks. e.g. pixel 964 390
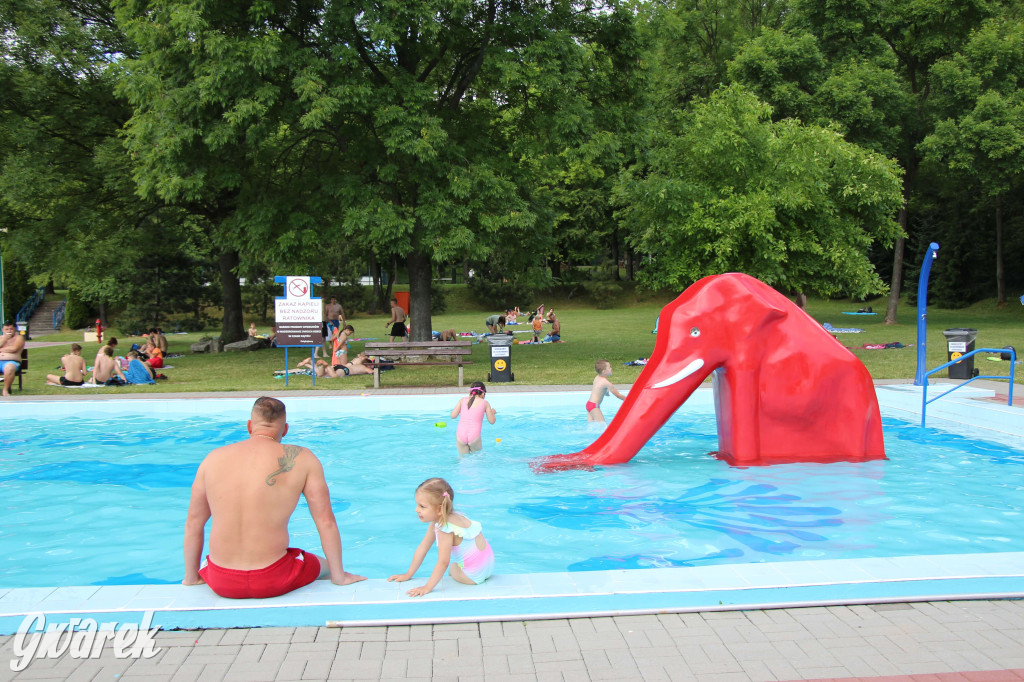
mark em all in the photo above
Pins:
pixel 785 389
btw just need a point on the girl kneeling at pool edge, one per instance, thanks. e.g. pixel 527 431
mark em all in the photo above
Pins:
pixel 460 542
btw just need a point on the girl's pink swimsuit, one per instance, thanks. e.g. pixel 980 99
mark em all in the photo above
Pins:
pixel 471 420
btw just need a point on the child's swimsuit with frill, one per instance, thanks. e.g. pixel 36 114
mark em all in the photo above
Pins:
pixel 476 563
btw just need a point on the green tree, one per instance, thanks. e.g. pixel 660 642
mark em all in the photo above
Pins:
pixel 905 37
pixel 66 191
pixel 981 142
pixel 296 126
pixel 729 189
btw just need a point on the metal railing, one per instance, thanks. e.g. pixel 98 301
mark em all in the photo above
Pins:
pixel 924 388
pixel 30 307
pixel 58 314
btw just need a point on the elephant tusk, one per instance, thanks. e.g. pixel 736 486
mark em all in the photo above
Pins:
pixel 681 374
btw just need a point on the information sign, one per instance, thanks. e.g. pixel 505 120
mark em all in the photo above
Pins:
pixel 299 316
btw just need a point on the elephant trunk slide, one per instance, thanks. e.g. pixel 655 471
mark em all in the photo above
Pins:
pixel 785 390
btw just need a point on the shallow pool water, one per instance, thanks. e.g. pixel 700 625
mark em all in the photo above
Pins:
pixel 102 499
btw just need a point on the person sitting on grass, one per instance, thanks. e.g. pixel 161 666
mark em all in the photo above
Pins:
pixel 556 329
pixel 73 365
pixel 154 356
pixel 107 371
pixel 112 345
pixel 138 372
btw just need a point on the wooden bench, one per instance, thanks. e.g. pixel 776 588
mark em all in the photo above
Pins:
pixel 399 353
pixel 22 367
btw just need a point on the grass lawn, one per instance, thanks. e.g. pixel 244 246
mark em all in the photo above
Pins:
pixel 618 335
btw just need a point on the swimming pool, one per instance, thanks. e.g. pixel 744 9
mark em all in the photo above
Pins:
pixel 101 499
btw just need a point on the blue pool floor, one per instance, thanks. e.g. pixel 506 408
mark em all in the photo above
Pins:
pixel 593 593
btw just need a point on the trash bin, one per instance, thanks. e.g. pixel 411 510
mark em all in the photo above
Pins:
pixel 501 358
pixel 960 341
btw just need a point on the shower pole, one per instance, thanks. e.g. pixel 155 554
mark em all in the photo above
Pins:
pixel 922 312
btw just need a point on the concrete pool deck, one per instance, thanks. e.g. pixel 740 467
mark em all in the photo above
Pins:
pixel 854 618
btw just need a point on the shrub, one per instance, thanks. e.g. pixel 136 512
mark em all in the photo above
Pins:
pixel 191 324
pixel 76 313
pixel 133 321
pixel 496 290
pixel 602 287
pixel 438 299
pixel 603 293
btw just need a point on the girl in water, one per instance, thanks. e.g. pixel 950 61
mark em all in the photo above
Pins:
pixel 460 542
pixel 470 412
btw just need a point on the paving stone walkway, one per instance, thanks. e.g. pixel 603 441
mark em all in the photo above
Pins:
pixel 936 641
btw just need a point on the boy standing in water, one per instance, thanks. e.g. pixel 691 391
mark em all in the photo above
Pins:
pixel 602 386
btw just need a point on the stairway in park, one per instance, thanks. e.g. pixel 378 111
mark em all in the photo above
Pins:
pixel 41 322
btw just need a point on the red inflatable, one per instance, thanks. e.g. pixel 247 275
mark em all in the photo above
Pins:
pixel 785 389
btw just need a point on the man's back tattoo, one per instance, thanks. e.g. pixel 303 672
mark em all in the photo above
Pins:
pixel 285 463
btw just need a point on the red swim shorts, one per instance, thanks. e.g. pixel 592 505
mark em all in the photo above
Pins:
pixel 295 569
pixel 590 406
pixel 156 363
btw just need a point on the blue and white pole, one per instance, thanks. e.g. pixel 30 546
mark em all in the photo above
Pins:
pixel 922 312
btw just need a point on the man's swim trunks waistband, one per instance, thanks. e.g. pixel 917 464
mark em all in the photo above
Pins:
pixel 292 571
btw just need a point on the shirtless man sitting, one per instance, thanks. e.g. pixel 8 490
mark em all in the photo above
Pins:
pixel 73 365
pixel 251 488
pixel 11 344
pixel 107 370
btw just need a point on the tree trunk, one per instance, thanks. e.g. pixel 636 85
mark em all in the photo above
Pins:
pixel 156 312
pixel 375 300
pixel 231 329
pixel 629 265
pixel 420 272
pixel 901 243
pixel 615 255
pixel 897 275
pixel 386 298
pixel 1000 282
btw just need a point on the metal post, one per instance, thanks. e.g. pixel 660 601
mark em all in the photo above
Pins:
pixel 922 313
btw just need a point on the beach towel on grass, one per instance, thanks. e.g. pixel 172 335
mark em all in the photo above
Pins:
pixel 841 330
pixel 880 346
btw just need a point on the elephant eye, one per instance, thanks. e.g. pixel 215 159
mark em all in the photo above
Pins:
pixel 694 332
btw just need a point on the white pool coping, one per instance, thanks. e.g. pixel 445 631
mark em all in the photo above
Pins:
pixel 554 595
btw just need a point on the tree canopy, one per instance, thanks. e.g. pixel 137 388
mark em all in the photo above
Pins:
pixel 805 142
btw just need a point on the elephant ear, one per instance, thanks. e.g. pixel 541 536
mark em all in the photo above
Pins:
pixel 774 307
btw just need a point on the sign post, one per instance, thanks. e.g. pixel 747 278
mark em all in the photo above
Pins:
pixel 299 318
